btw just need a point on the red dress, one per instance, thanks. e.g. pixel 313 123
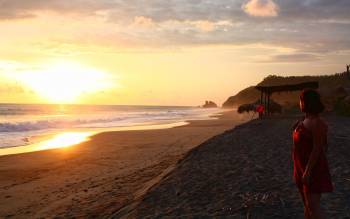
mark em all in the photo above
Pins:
pixel 320 180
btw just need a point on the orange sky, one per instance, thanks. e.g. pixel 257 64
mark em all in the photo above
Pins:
pixel 157 53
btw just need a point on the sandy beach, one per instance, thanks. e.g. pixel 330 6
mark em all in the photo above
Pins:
pixel 173 109
pixel 98 177
pixel 246 172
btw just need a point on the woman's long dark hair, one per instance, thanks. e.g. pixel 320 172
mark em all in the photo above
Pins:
pixel 312 101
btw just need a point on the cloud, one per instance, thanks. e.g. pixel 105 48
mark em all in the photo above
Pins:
pixel 205 26
pixel 21 9
pixel 14 15
pixel 261 8
pixel 307 26
pixel 141 21
pixel 295 57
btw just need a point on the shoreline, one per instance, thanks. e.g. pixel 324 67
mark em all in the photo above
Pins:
pixel 28 125
pixel 112 166
pixel 45 142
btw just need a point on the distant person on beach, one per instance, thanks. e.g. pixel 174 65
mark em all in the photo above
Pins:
pixel 311 172
pixel 260 109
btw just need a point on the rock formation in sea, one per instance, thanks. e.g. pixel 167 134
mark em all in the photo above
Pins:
pixel 209 104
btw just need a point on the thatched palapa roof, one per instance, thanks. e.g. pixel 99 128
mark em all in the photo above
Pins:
pixel 289 87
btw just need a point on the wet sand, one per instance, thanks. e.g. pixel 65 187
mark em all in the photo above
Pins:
pixel 246 172
pixel 99 177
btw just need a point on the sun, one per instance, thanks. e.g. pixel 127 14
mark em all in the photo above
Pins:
pixel 65 82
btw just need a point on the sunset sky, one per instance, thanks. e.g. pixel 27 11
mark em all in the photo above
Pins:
pixel 163 52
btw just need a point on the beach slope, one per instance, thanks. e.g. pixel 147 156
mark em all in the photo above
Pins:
pixel 97 178
pixel 246 172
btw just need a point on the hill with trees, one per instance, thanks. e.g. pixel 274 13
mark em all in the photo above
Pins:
pixel 334 89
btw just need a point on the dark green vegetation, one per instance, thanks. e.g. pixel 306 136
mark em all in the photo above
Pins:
pixel 250 107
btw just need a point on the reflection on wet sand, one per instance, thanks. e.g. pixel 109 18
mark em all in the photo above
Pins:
pixel 70 138
pixel 61 140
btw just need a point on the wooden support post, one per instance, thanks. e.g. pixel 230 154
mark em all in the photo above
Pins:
pixel 265 103
pixel 268 103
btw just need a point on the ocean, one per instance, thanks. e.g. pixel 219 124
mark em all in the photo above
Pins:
pixel 23 124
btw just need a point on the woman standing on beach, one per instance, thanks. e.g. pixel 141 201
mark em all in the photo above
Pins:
pixel 311 172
